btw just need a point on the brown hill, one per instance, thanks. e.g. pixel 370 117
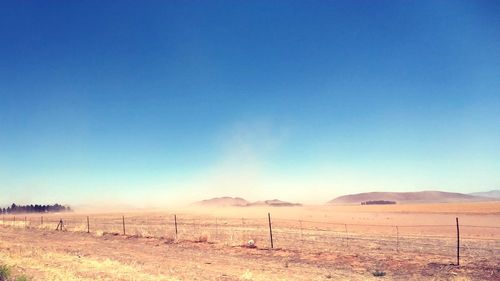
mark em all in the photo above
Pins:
pixel 223 202
pixel 240 202
pixel 274 203
pixel 407 197
pixel 489 194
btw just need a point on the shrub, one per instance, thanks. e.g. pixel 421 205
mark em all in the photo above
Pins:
pixel 4 273
pixel 203 238
pixel 378 273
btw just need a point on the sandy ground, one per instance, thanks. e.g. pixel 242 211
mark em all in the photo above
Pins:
pixel 318 253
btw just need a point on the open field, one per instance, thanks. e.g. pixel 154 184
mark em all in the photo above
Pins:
pixel 416 242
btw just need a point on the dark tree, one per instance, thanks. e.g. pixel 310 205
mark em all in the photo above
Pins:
pixel 15 209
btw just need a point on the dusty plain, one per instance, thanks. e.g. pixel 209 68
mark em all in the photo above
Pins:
pixel 400 242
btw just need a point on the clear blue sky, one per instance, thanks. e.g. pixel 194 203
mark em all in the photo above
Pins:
pixel 154 101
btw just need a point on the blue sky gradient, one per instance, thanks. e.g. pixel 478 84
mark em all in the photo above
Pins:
pixel 159 101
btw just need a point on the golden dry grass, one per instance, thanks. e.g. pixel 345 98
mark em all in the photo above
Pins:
pixel 207 246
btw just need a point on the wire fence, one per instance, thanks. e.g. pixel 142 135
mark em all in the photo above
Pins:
pixel 452 241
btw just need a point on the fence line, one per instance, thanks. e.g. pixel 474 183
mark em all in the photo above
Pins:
pixel 286 233
pixel 246 225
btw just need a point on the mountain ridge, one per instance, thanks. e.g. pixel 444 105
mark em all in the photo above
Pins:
pixel 427 196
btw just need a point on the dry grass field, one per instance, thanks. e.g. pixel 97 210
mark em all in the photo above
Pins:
pixel 401 242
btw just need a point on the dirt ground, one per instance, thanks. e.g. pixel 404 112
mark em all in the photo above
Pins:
pixel 311 252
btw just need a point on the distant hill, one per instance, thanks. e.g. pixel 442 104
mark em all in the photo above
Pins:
pixel 240 202
pixel 223 202
pixel 489 194
pixel 274 203
pixel 407 197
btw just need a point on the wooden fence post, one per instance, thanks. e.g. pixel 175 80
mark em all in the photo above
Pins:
pixel 301 235
pixel 88 225
pixel 346 236
pixel 123 224
pixel 25 224
pixel 175 223
pixel 397 239
pixel 243 228
pixel 41 221
pixel 60 225
pixel 216 230
pixel 458 243
pixel 270 229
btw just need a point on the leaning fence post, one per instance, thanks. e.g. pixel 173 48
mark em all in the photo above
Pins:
pixel 60 225
pixel 123 224
pixel 458 243
pixel 175 223
pixel 88 225
pixel 270 229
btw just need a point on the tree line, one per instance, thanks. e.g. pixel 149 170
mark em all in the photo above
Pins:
pixel 15 209
pixel 378 202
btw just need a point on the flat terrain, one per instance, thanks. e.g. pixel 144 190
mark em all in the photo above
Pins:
pixel 406 242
